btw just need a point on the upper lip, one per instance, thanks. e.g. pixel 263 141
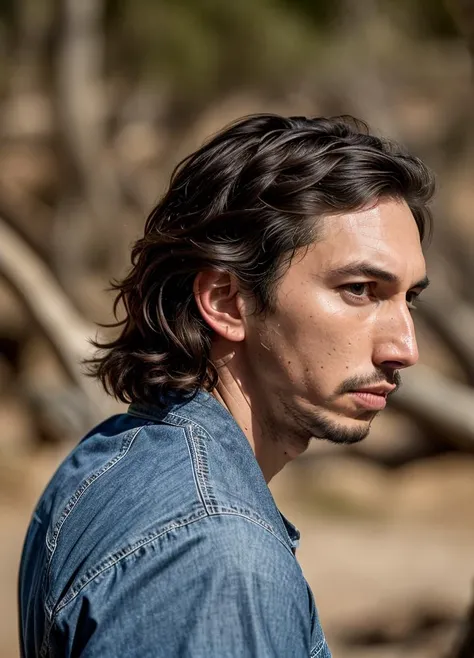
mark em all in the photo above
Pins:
pixel 381 389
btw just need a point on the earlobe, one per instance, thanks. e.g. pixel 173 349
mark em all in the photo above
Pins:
pixel 219 302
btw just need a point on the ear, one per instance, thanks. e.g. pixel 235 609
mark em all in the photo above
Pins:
pixel 220 304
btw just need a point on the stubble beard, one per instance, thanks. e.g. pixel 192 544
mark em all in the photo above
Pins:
pixel 334 432
pixel 313 424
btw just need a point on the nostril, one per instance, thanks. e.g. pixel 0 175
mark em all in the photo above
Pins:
pixel 393 365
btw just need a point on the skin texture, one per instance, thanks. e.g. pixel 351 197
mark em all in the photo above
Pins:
pixel 287 377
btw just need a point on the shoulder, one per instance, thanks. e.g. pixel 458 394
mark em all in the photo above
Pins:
pixel 221 585
pixel 127 480
pixel 229 555
pixel 122 462
pixel 230 540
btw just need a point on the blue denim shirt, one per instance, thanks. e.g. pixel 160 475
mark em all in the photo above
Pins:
pixel 158 536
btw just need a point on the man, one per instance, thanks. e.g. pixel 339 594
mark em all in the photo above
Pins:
pixel 269 303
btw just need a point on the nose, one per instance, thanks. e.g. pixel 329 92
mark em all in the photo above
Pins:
pixel 395 345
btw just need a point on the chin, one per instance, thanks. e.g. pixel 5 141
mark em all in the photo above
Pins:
pixel 328 424
pixel 345 435
pixel 349 432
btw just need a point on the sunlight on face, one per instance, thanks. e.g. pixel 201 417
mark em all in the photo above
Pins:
pixel 326 359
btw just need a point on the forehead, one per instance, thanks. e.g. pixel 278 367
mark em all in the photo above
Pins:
pixel 386 235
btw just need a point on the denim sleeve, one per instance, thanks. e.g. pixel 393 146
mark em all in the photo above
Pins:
pixel 219 586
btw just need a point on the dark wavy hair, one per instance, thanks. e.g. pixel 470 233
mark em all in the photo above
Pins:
pixel 243 203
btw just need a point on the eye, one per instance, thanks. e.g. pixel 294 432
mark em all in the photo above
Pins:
pixel 412 296
pixel 357 289
pixel 357 293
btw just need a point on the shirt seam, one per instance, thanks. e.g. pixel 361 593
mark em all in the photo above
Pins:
pixel 198 454
pixel 127 442
pixel 125 552
pixel 200 463
pixel 51 541
pixel 317 650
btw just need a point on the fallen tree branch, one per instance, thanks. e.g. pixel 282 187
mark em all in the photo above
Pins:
pixel 454 324
pixel 65 329
pixel 438 402
pixel 90 194
pixel 451 318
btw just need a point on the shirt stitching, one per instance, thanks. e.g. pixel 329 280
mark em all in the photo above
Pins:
pixel 198 450
pixel 223 511
pixel 317 650
pixel 51 542
pixel 85 484
pixel 125 552
pixel 195 478
pixel 200 463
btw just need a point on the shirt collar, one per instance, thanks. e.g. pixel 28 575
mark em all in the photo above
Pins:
pixel 178 410
pixel 293 533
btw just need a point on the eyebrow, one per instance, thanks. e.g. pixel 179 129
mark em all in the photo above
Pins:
pixel 364 268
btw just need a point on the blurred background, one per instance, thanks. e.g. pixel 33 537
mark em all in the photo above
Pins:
pixel 99 99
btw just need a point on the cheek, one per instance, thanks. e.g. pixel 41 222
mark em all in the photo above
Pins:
pixel 314 343
pixel 332 353
pixel 308 357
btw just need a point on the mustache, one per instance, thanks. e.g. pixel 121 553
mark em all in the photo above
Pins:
pixel 355 383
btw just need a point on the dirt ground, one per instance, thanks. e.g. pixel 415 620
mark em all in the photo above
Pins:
pixel 393 584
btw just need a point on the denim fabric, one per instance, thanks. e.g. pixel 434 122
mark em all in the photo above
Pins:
pixel 158 536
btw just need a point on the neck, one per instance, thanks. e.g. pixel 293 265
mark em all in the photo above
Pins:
pixel 273 448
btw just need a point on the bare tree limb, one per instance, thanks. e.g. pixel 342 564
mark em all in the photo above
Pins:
pixel 438 402
pixel 454 325
pixel 33 22
pixel 90 193
pixel 66 330
pixel 452 320
pixel 80 89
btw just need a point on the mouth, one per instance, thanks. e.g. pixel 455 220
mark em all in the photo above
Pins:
pixel 373 397
pixel 369 400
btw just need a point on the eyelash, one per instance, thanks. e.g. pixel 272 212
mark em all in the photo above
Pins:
pixel 410 301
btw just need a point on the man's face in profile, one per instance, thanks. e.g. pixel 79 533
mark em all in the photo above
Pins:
pixel 342 328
